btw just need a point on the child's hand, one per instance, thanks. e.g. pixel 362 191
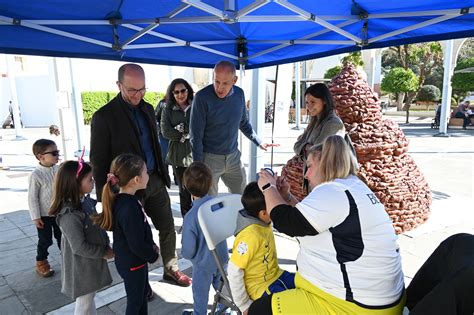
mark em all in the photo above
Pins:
pixel 39 223
pixel 109 253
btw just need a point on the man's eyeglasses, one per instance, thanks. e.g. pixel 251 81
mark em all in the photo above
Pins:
pixel 182 91
pixel 134 91
pixel 53 153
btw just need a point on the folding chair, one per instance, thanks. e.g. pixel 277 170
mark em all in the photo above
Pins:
pixel 218 219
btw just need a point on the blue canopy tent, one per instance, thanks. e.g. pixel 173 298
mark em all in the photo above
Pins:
pixel 198 33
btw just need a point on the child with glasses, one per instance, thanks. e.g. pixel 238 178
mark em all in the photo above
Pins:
pixel 40 193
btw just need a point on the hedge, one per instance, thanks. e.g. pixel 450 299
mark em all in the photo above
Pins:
pixel 92 101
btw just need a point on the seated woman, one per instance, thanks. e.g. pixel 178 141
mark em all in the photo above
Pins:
pixel 349 261
pixel 324 121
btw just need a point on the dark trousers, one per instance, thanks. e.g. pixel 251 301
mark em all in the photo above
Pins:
pixel 445 282
pixel 136 284
pixel 45 237
pixel 466 121
pixel 156 202
pixel 184 195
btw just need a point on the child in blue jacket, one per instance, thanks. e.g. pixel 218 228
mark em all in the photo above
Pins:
pixel 198 180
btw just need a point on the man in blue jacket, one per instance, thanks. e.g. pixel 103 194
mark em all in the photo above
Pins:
pixel 217 114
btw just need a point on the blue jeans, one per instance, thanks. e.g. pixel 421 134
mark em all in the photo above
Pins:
pixel 45 237
pixel 202 280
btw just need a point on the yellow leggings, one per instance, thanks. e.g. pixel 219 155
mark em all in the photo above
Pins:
pixel 308 299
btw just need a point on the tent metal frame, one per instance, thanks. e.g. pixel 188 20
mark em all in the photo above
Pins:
pixel 230 16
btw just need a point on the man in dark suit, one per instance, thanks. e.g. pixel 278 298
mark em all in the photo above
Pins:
pixel 127 125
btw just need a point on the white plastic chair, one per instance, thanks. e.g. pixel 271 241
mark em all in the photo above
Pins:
pixel 218 219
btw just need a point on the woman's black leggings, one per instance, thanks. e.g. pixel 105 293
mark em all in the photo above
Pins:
pixel 262 306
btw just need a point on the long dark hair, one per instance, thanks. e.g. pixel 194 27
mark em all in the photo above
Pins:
pixel 321 91
pixel 67 186
pixel 170 100
pixel 123 168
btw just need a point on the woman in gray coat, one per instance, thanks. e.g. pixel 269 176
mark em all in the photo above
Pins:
pixel 175 127
pixel 323 121
pixel 84 245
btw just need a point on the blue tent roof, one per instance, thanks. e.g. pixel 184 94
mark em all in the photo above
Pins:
pixel 198 33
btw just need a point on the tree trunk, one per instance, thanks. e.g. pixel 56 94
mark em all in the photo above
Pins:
pixel 407 105
pixel 400 98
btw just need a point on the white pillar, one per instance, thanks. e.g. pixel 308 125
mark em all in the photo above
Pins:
pixel 257 119
pixel 368 56
pixel 447 90
pixel 297 95
pixel 63 101
pixel 77 107
pixel 10 62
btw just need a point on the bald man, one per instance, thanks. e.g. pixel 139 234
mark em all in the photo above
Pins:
pixel 217 114
pixel 127 125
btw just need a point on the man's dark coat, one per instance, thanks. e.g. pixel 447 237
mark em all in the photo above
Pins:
pixel 113 132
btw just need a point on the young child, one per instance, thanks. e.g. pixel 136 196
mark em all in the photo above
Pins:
pixel 40 193
pixel 124 215
pixel 253 269
pixel 198 180
pixel 85 246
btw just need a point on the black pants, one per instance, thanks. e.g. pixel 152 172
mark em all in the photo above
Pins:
pixel 445 282
pixel 184 195
pixel 45 237
pixel 156 202
pixel 466 119
pixel 136 287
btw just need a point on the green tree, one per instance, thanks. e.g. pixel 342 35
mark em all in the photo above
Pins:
pixel 429 93
pixel 332 72
pixel 399 81
pixel 463 83
pixel 354 57
pixel 422 58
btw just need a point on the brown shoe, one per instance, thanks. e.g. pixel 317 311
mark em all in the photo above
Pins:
pixel 177 277
pixel 44 269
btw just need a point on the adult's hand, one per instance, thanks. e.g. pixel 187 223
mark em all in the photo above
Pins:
pixel 283 187
pixel 265 177
pixel 265 146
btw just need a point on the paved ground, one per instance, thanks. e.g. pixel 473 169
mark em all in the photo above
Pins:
pixel 447 163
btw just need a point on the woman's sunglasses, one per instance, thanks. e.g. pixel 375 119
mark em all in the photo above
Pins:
pixel 182 91
pixel 53 153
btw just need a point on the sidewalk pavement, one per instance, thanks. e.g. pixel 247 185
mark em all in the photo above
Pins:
pixel 447 163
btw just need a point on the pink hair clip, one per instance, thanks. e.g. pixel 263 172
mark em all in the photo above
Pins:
pixel 80 162
pixel 112 179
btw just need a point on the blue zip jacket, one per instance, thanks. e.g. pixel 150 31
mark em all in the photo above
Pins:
pixel 193 243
